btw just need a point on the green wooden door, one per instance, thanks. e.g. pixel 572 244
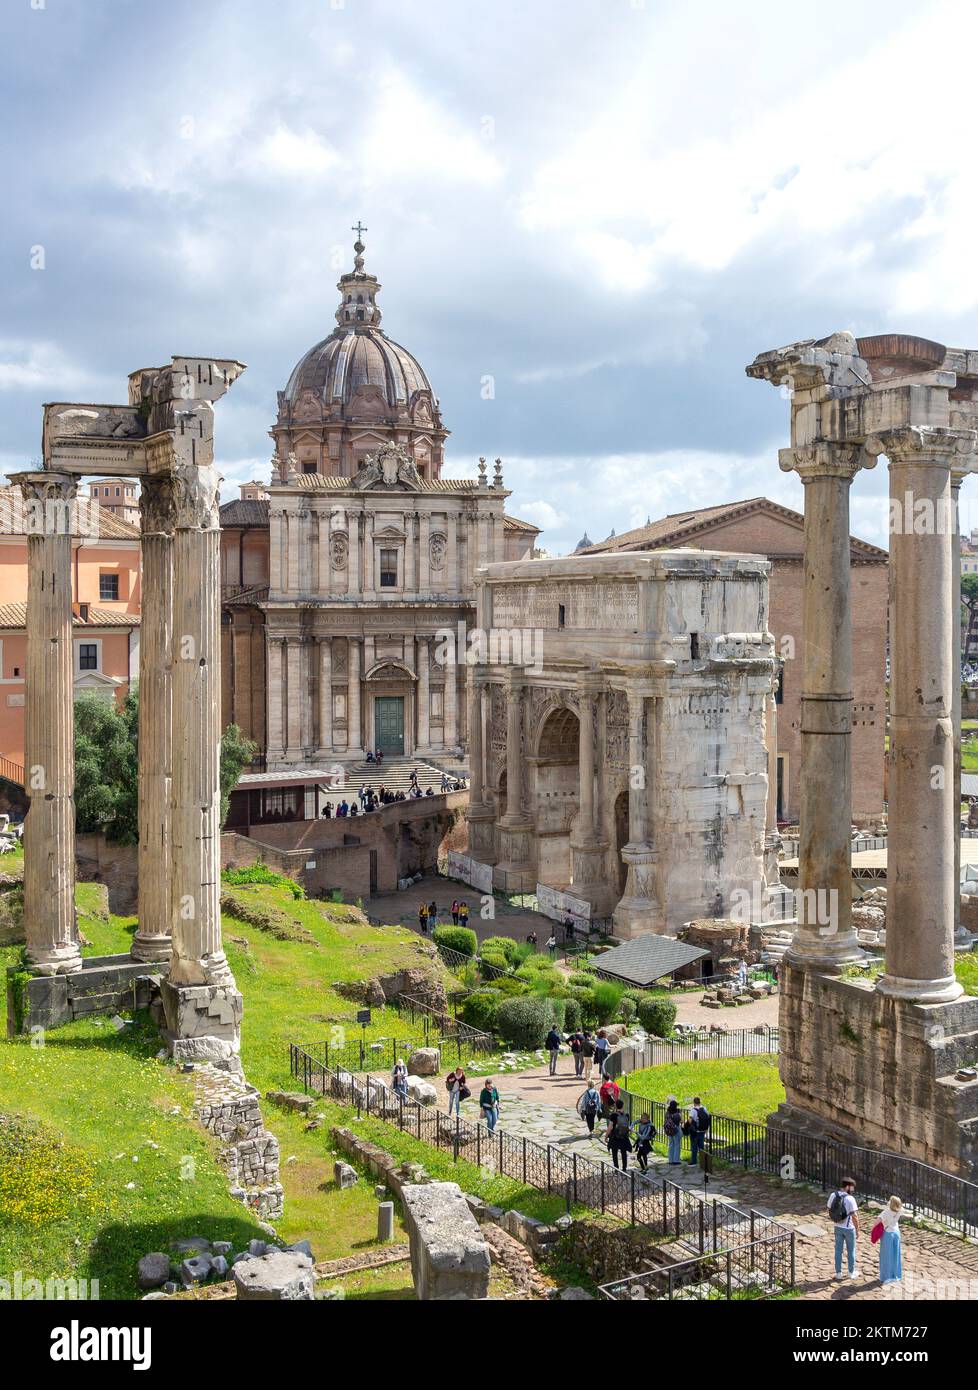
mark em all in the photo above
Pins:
pixel 389 723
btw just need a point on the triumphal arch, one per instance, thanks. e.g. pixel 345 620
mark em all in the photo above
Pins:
pixel 163 435
pixel 621 717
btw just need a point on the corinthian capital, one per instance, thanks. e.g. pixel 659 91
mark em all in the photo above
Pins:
pixel 936 445
pixel 827 460
pixel 157 506
pixel 197 497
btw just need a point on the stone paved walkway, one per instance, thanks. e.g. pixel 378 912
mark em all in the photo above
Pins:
pixel 936 1264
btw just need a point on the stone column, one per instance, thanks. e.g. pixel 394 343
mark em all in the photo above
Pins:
pixel 958 475
pixel 293 711
pixel 515 869
pixel 772 836
pixel 450 724
pixel 451 553
pixel 639 909
pixel 922 819
pixel 353 553
pixel 424 553
pixel 368 552
pixel 325 698
pixel 293 533
pixel 202 1006
pixel 354 743
pixel 825 939
pixel 276 704
pixel 410 554
pixel 305 695
pixel 479 813
pixel 588 847
pixel 157 506
pixel 49 729
pixel 424 693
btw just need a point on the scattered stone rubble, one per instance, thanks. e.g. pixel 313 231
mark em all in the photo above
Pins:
pixel 228 1107
pixel 195 1261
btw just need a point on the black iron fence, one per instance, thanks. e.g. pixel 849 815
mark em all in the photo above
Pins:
pixel 449 1029
pixel 793 1156
pixel 694 1047
pixel 457 960
pixel 659 1206
pixel 756 1270
pixel 380 1054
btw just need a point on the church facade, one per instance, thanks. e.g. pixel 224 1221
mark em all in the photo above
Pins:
pixel 338 577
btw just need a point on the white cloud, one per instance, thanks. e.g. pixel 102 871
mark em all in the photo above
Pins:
pixel 40 366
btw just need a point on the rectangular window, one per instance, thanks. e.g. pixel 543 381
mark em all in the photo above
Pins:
pixel 108 587
pixel 388 569
pixel 88 656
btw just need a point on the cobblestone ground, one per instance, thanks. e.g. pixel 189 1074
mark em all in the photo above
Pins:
pixel 935 1264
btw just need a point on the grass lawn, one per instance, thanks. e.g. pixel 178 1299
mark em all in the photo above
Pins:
pixel 103 1161
pixel 748 1088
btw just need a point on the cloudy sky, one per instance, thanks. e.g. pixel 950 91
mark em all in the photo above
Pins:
pixel 607 207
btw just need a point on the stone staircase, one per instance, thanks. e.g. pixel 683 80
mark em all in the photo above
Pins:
pixel 395 774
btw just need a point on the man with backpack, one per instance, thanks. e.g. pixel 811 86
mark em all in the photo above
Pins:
pixel 842 1211
pixel 699 1128
pixel 589 1105
pixel 576 1045
pixel 553 1047
pixel 618 1137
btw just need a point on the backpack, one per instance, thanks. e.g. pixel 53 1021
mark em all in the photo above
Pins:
pixel 703 1119
pixel 622 1125
pixel 671 1124
pixel 838 1210
pixel 589 1103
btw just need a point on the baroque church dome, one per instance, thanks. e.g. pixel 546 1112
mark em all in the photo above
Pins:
pixel 357 389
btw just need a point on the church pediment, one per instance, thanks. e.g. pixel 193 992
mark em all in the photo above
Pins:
pixel 388 668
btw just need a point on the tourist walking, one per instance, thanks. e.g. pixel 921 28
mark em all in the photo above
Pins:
pixel 644 1136
pixel 587 1055
pixel 399 1078
pixel 842 1211
pixel 457 1090
pixel 698 1128
pixel 463 914
pixel 455 911
pixel 552 945
pixel 489 1104
pixel 609 1093
pixel 423 918
pixel 576 1045
pixel 432 914
pixel 618 1137
pixel 601 1049
pixel 553 1047
pixel 588 1106
pixel 672 1127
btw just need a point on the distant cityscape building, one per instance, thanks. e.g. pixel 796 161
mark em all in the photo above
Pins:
pixel 118 496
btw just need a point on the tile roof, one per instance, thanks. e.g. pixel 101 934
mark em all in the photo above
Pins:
pixel 14 615
pixel 245 511
pixel 318 482
pixel 646 959
pixel 680 526
pixel 515 523
pixel 111 527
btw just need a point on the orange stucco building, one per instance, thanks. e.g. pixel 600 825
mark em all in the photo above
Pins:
pixel 106 601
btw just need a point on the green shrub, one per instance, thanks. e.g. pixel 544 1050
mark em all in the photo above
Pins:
pixel 559 1007
pixel 261 873
pixel 480 1008
pixel 507 985
pixel 581 978
pixel 522 950
pixel 607 997
pixel 495 959
pixel 572 1014
pixel 500 945
pixel 537 962
pixel 525 1022
pixel 627 1010
pixel 460 939
pixel 657 1015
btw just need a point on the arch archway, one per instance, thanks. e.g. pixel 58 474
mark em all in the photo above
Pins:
pixel 556 795
pixel 621 837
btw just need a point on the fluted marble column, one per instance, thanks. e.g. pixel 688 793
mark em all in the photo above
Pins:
pixel 588 847
pixel 515 868
pixel 293 711
pixel 198 955
pixel 922 815
pixel 49 731
pixel 276 705
pixel 639 909
pixel 450 726
pixel 424 553
pixel 157 506
pixel 958 475
pixel 325 697
pixel 825 939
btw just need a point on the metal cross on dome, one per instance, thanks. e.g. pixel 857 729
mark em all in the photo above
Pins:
pixel 359 229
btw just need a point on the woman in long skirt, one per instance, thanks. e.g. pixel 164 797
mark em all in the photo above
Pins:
pixel 891 1264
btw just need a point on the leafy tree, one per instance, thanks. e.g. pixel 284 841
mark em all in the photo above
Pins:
pixel 107 763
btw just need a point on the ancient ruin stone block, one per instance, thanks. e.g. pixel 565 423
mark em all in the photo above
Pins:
pixel 449 1254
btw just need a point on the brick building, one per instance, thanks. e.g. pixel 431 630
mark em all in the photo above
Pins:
pixel 761 527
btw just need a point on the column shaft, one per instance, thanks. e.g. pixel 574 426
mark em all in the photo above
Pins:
pixel 354 743
pixel 424 693
pixel 325 696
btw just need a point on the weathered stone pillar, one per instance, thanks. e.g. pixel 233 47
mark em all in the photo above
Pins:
pixel 451 553
pixel 353 736
pixel 353 553
pixel 157 506
pixel 293 709
pixel 424 553
pixel 49 730
pixel 424 693
pixel 410 553
pixel 825 939
pixel 479 813
pixel 639 909
pixel 515 869
pixel 450 727
pixel 276 705
pixel 325 697
pixel 922 819
pixel 588 847
pixel 368 552
pixel 203 1007
pixel 958 475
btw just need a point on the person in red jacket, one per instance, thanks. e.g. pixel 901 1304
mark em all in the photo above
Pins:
pixel 609 1093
